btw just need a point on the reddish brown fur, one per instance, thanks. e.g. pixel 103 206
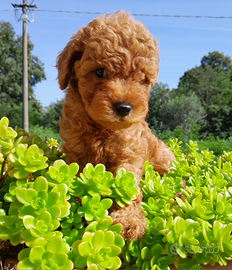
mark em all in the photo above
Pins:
pixel 90 128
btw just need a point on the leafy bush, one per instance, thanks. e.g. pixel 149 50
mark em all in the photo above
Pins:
pixel 44 133
pixel 188 211
pixel 216 144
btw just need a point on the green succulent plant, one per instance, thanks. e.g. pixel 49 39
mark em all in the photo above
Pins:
pixel 158 207
pixel 176 147
pixel 2 211
pixel 52 143
pixel 11 226
pixel 41 226
pixel 95 181
pixel 152 258
pixel 191 264
pixel 73 219
pixel 7 136
pixel 130 253
pixel 38 199
pixel 93 208
pixel 71 235
pixel 10 196
pixel 217 243
pixel 45 254
pixel 63 219
pixel 61 173
pixel 26 160
pixel 124 190
pixel 98 250
pixel 104 224
pixel 153 186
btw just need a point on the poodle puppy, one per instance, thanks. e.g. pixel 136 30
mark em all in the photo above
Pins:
pixel 107 70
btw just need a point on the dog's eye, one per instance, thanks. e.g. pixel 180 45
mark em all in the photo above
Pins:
pixel 100 73
pixel 145 81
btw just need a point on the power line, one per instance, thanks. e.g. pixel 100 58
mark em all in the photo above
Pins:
pixel 6 10
pixel 184 16
pixel 134 14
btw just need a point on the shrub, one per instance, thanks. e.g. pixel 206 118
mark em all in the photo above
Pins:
pixel 45 133
pixel 216 144
pixel 188 210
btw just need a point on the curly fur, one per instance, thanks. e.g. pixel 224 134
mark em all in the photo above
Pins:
pixel 90 128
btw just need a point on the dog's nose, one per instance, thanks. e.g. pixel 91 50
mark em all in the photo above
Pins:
pixel 122 109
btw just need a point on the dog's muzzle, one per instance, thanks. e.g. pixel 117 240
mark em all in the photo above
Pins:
pixel 122 109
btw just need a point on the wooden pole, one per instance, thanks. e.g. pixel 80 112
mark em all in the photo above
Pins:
pixel 25 69
pixel 24 18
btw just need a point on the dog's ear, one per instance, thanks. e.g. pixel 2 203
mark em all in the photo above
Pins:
pixel 66 59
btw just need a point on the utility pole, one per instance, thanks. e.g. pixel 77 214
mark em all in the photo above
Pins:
pixel 25 71
pixel 24 18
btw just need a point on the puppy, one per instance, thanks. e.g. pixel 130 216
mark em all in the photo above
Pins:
pixel 107 70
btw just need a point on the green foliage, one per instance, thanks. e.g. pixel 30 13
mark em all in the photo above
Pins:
pixel 51 114
pixel 215 144
pixel 45 254
pixel 170 110
pixel 95 181
pixel 188 210
pixel 124 191
pixel 211 82
pixel 44 133
pixel 26 160
pixel 93 208
pixel 98 250
pixel 11 77
pixel 61 173
pixel 202 99
pixel 159 96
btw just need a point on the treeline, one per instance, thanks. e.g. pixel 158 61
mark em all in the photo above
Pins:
pixel 203 96
pixel 42 121
pixel 200 108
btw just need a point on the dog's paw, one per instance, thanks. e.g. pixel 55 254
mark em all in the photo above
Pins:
pixel 132 220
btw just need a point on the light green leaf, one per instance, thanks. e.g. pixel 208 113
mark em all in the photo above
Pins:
pixel 3 131
pixel 55 244
pixel 85 249
pixel 98 239
pixel 73 167
pixel 36 254
pixel 29 222
pixel 40 184
pixel 93 267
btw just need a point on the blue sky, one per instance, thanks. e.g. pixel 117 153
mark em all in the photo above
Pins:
pixel 182 41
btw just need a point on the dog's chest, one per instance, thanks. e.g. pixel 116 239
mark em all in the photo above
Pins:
pixel 109 147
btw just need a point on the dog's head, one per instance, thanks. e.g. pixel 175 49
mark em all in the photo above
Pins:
pixel 112 63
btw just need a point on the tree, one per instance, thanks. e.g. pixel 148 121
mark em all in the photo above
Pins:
pixel 212 84
pixel 11 77
pixel 51 115
pixel 157 104
pixel 181 110
pixel 170 109
pixel 217 60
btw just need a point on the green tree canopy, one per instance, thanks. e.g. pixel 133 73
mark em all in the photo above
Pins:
pixel 159 96
pixel 51 115
pixel 212 84
pixel 170 109
pixel 217 60
pixel 181 110
pixel 11 77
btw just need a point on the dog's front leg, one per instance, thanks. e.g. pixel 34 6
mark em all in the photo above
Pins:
pixel 132 219
pixel 131 216
pixel 160 156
